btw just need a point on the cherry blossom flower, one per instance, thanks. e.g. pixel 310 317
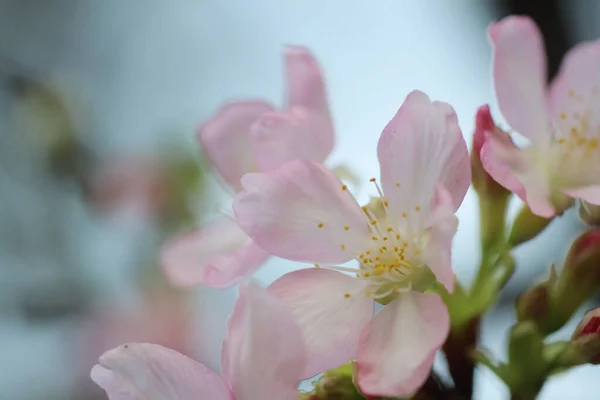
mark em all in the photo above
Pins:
pixel 303 212
pixel 258 362
pixel 561 121
pixel 250 136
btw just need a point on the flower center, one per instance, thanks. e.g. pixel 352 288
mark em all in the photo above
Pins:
pixel 391 257
pixel 579 130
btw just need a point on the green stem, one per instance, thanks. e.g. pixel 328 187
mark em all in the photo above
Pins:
pixel 492 214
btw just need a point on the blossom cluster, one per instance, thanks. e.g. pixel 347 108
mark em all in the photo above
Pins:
pixel 395 250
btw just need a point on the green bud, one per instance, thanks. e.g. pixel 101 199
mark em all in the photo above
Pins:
pixel 338 384
pixel 526 226
pixel 526 355
pixel 533 304
pixel 581 271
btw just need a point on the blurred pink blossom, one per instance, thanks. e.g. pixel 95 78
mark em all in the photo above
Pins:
pixel 262 358
pixel 249 136
pixel 561 120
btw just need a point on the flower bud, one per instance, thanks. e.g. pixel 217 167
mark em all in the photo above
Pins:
pixel 526 354
pixel 533 304
pixel 589 213
pixel 586 338
pixel 337 384
pixel 483 183
pixel 582 265
pixel 526 226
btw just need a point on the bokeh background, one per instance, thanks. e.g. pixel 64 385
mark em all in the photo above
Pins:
pixel 99 102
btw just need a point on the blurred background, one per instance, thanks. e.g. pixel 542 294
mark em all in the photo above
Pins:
pixel 99 102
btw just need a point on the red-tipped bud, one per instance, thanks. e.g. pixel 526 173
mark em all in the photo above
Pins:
pixel 586 337
pixel 583 261
pixel 483 183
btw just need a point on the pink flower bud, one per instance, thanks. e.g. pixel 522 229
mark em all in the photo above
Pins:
pixel 586 337
pixel 483 183
pixel 583 260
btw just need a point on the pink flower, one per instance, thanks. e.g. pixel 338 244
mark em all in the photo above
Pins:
pixel 560 121
pixel 250 136
pixel 303 212
pixel 258 361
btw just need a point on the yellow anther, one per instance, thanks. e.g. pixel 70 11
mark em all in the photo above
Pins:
pixel 395 248
pixel 373 221
pixel 397 184
pixel 385 203
pixel 405 244
pixel 372 180
pixel 343 246
pixel 379 270
pixel 593 143
pixel 563 116
pixel 344 187
pixel 404 215
pixel 374 238
pixel 320 225
pixel 383 248
pixel 347 295
pixel 377 258
pixel 358 275
pixel 317 266
pixel 366 274
pixel 346 228
pixel 397 236
pixel 368 252
pixel 561 140
pixel 365 208
pixel 390 229
pixel 384 239
pixel 361 255
pixel 418 208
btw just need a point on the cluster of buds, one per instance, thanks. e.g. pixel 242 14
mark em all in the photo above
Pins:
pixel 552 302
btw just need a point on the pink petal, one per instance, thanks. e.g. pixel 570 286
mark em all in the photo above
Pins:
pixel 306 91
pixel 420 146
pixel 331 309
pixel 495 150
pixel 306 86
pixel 116 387
pixel 396 349
pixel 519 68
pixel 438 253
pixel 301 212
pixel 151 371
pixel 263 351
pixel 510 167
pixel 278 137
pixel 218 256
pixel 225 139
pixel 590 194
pixel 575 92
